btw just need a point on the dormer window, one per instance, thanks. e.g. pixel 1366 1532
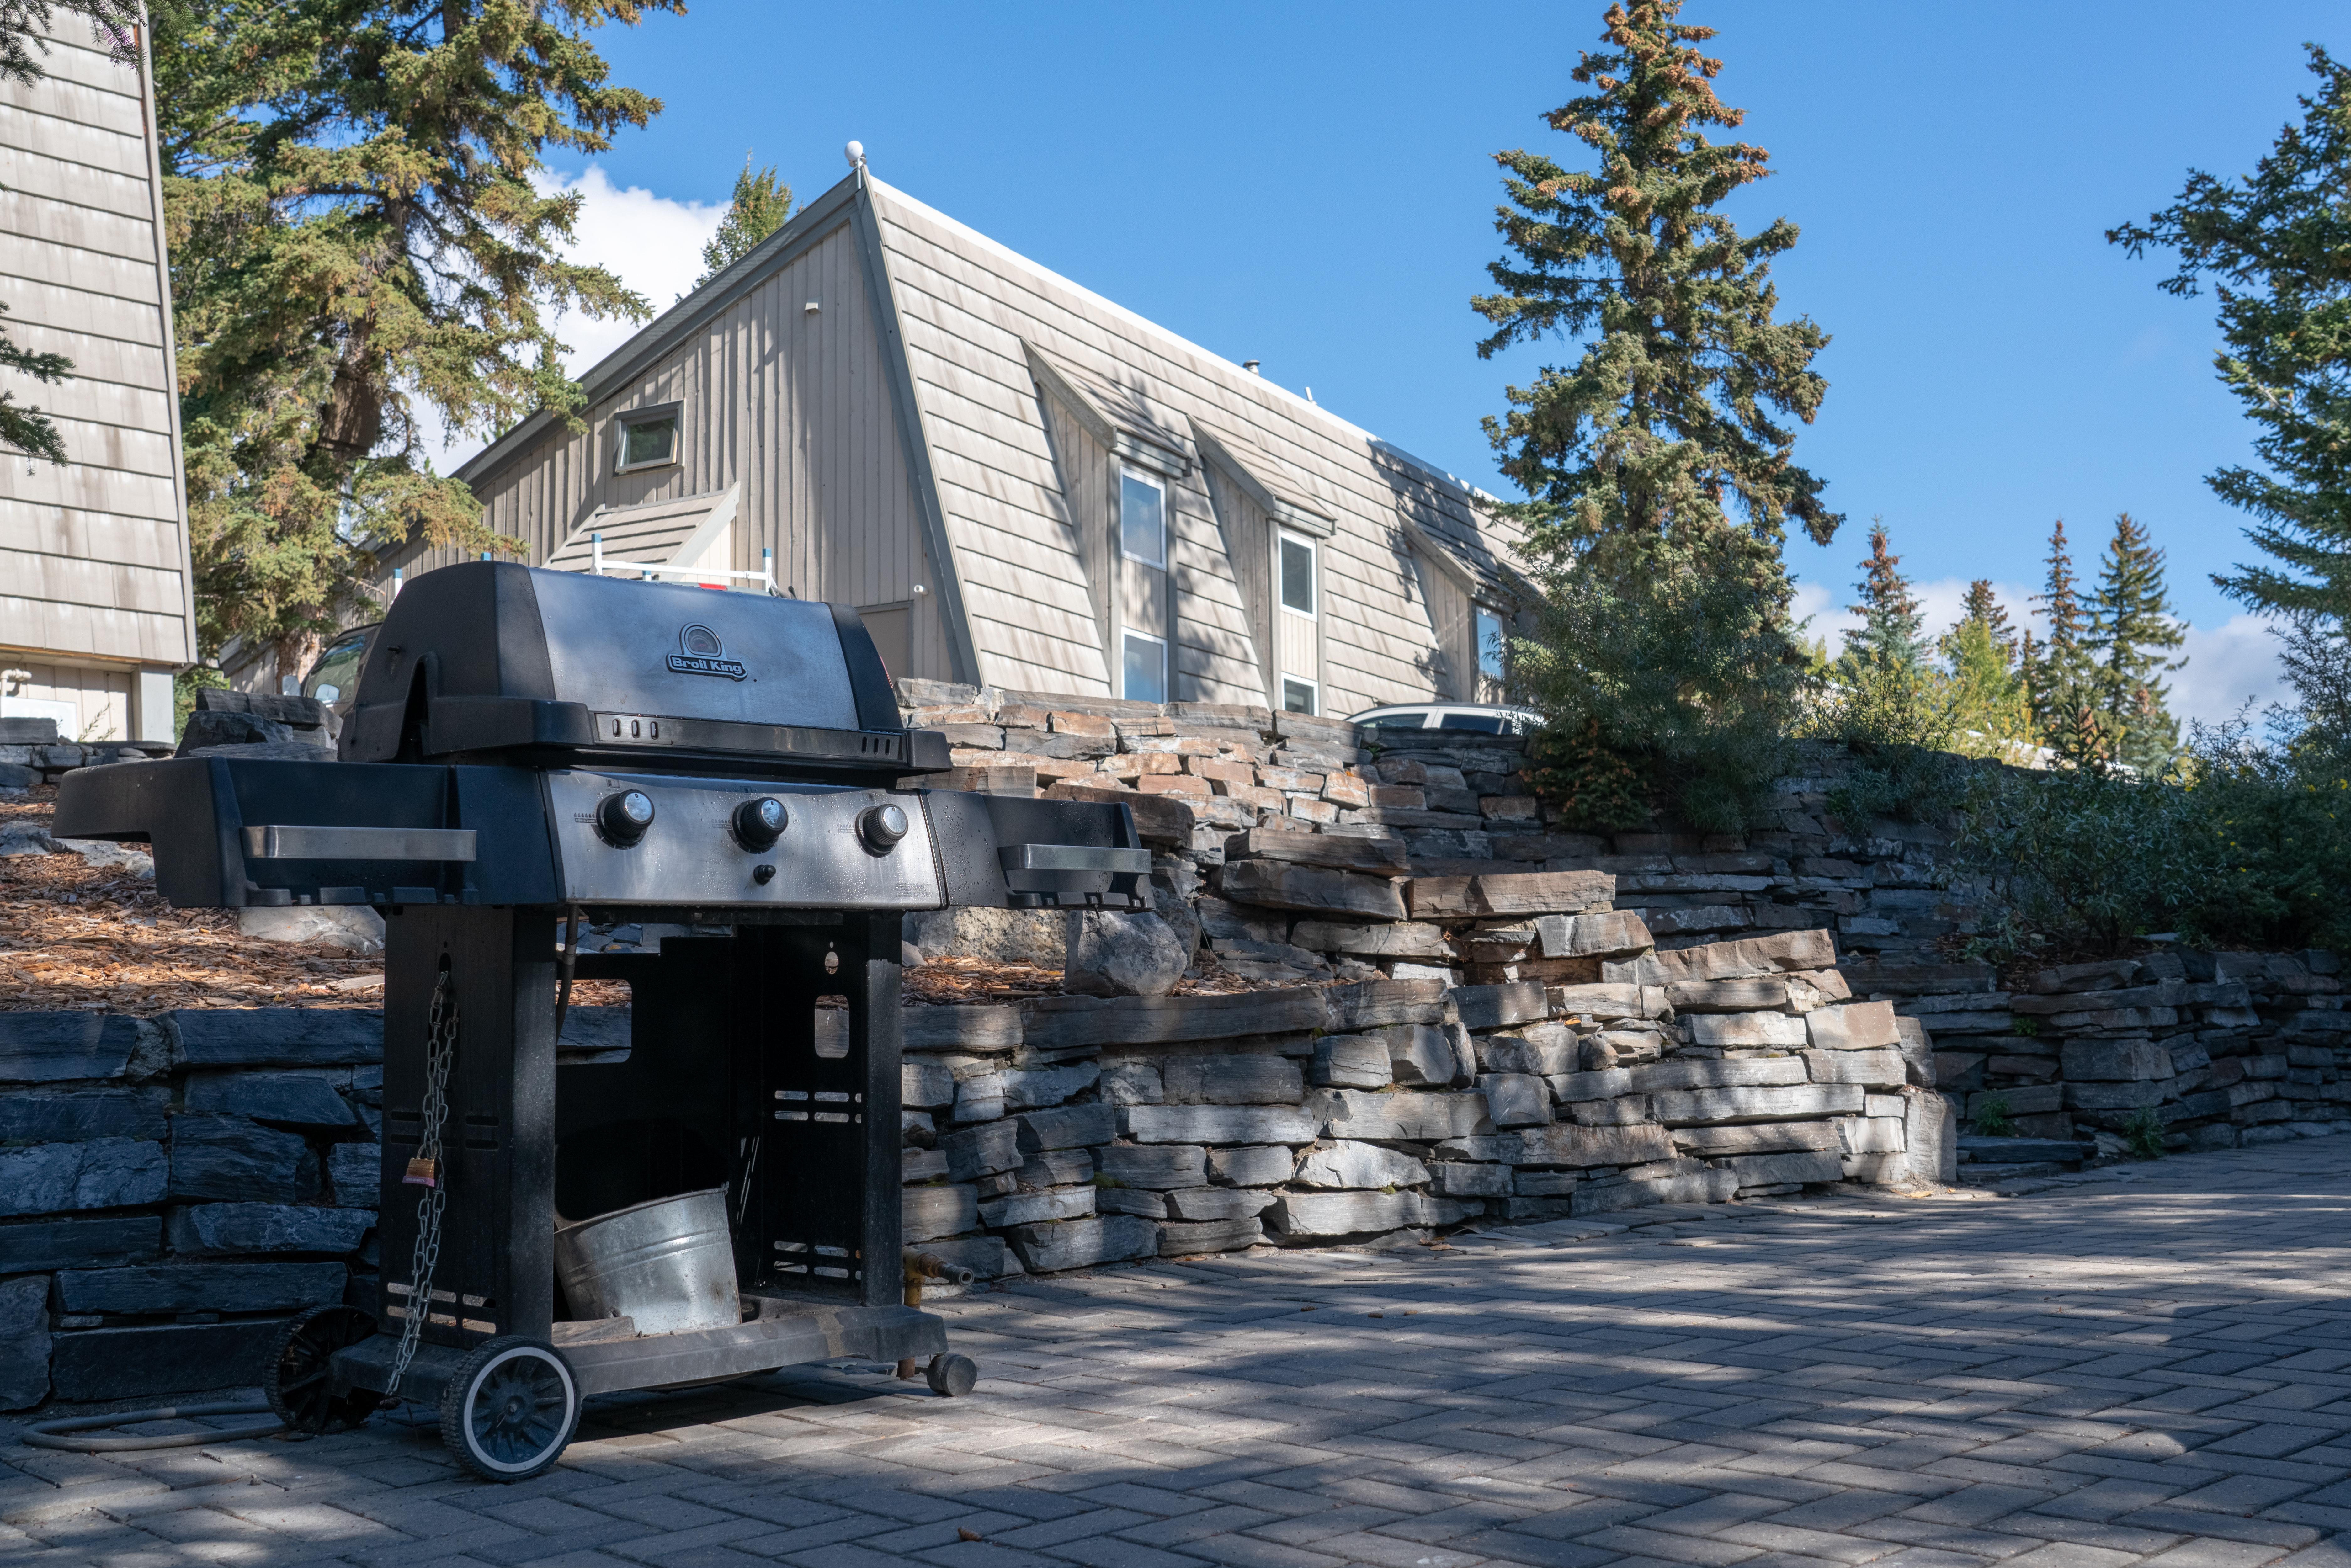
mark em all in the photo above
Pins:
pixel 646 438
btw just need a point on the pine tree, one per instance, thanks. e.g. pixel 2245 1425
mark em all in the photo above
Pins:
pixel 2130 630
pixel 1660 479
pixel 1893 628
pixel 25 29
pixel 762 205
pixel 356 235
pixel 2064 688
pixel 2273 245
pixel 1983 607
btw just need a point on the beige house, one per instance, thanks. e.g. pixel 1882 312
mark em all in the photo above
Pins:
pixel 95 613
pixel 1016 481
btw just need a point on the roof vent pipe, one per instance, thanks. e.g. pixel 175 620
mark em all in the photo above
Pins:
pixel 1251 366
pixel 855 153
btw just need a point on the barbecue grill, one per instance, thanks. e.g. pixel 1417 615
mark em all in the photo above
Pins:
pixel 528 750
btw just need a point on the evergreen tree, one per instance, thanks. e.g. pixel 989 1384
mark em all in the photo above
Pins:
pixel 2065 684
pixel 1893 628
pixel 2130 631
pixel 1983 607
pixel 1660 479
pixel 25 29
pixel 2273 245
pixel 356 237
pixel 1988 678
pixel 762 205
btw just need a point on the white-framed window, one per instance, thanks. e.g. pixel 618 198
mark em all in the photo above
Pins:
pixel 1491 644
pixel 1294 560
pixel 646 438
pixel 1145 679
pixel 1300 697
pixel 1143 519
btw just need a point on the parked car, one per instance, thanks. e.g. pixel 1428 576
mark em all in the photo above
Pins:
pixel 334 680
pixel 1483 719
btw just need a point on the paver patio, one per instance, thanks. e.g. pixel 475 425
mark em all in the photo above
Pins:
pixel 2156 1368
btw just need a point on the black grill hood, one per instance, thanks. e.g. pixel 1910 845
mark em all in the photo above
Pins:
pixel 490 661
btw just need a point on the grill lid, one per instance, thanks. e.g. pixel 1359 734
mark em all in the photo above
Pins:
pixel 489 661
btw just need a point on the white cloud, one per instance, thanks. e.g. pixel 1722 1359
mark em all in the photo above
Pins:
pixel 2226 665
pixel 651 243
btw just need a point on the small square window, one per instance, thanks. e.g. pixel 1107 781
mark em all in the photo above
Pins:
pixel 1297 696
pixel 1296 576
pixel 1143 520
pixel 1491 645
pixel 648 443
pixel 1146 669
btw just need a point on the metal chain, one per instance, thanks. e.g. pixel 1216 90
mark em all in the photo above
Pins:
pixel 440 1053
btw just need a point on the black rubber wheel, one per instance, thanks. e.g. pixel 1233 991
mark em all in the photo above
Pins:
pixel 299 1384
pixel 951 1376
pixel 510 1408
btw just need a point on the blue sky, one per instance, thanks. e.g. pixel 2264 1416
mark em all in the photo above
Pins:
pixel 1312 186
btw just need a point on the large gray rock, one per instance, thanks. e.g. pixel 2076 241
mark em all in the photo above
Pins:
pixel 1460 1178
pixel 1856 1025
pixel 1352 1061
pixel 1198 1203
pixel 1159 1166
pixel 2115 1060
pixel 934 1211
pixel 1727 995
pixel 1646 1192
pixel 97 1172
pixel 1274 884
pixel 1544 1049
pixel 1422 1054
pixel 1056 1168
pixel 228 1229
pixel 1608 1002
pixel 1082 1243
pixel 2096 1096
pixel 1378 1004
pixel 1608 1084
pixel 1871 1135
pixel 53 1047
pixel 231 1159
pixel 1033 1088
pixel 276 1037
pixel 1309 1215
pixel 1756 1138
pixel 986 1256
pixel 1115 954
pixel 29 1116
pixel 1222 1123
pixel 1350 1164
pixel 355 1174
pixel 1883 1067
pixel 1609 933
pixel 1244 1078
pixel 1515 1099
pixel 1766 1170
pixel 1039 936
pixel 1264 1164
pixel 1930 1134
pixel 1139 1200
pixel 979 1097
pixel 981 1028
pixel 351 927
pixel 72 1243
pixel 1917 1048
pixel 1585 1147
pixel 1063 1023
pixel 1403 939
pixel 1703 1073
pixel 984 1150
pixel 164 1358
pixel 926 1086
pixel 24 1343
pixel 201 1288
pixel 281 1099
pixel 1691 1107
pixel 1181 1238
pixel 1746 1029
pixel 1066 1127
pixel 1501 1007
pixel 1037 1207
pixel 1779 953
pixel 1404 1117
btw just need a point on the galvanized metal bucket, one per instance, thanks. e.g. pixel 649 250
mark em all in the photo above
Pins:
pixel 669 1263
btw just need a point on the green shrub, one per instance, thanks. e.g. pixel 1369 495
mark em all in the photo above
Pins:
pixel 2143 1132
pixel 1990 1118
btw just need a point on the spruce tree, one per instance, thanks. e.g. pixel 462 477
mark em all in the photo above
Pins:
pixel 761 206
pixel 2066 688
pixel 1988 678
pixel 26 26
pixel 357 236
pixel 1983 607
pixel 1659 467
pixel 1893 628
pixel 2129 633
pixel 2273 245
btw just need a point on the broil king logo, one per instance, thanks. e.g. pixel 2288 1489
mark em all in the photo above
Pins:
pixel 704 654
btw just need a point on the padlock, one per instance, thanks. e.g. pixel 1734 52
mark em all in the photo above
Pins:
pixel 422 1172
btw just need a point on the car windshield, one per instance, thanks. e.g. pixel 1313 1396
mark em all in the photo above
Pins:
pixel 335 674
pixel 1484 723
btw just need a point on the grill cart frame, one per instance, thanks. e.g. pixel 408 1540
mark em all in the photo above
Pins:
pixel 500 783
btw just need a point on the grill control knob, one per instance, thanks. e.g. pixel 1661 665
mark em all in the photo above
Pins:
pixel 625 817
pixel 760 823
pixel 882 827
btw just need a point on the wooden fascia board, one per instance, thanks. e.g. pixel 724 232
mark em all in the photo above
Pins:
pixel 922 473
pixel 1293 518
pixel 814 223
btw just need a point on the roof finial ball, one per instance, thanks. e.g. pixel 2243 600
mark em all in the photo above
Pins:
pixel 855 152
